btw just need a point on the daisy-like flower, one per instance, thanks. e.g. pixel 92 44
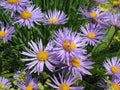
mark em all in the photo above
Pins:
pixel 4 84
pixel 112 66
pixel 115 19
pixel 29 16
pixel 30 84
pixel 55 17
pixel 64 83
pixel 68 44
pixel 38 57
pixel 14 5
pixel 6 33
pixel 96 16
pixel 114 84
pixel 101 1
pixel 92 34
pixel 78 67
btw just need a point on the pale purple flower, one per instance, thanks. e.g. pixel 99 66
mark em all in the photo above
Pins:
pixel 4 83
pixel 101 1
pixel 64 83
pixel 112 67
pixel 55 17
pixel 30 83
pixel 38 57
pixel 96 16
pixel 114 19
pixel 29 16
pixel 67 44
pixel 79 67
pixel 92 34
pixel 6 32
pixel 17 74
pixel 14 5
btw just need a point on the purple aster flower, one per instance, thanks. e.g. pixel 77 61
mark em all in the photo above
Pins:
pixel 64 83
pixel 97 17
pixel 14 5
pixel 6 32
pixel 92 34
pixel 112 66
pixel 55 17
pixel 68 44
pixel 115 19
pixel 101 1
pixel 30 84
pixel 4 84
pixel 16 75
pixel 114 84
pixel 78 67
pixel 29 16
pixel 38 57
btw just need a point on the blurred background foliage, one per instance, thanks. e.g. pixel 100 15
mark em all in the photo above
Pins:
pixel 10 52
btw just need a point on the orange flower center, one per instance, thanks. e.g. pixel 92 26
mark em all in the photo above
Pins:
pixel 69 46
pixel 29 87
pixel 64 86
pixel 53 20
pixel 75 62
pixel 114 69
pixel 25 15
pixel 13 1
pixel 42 56
pixel 115 86
pixel 91 35
pixel 2 34
pixel 116 3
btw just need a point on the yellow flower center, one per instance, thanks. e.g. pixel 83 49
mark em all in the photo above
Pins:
pixel 75 62
pixel 42 56
pixel 13 1
pixel 116 3
pixel 25 15
pixel 53 20
pixel 115 86
pixel 29 87
pixel 93 14
pixel 114 69
pixel 2 34
pixel 69 46
pixel 64 86
pixel 91 35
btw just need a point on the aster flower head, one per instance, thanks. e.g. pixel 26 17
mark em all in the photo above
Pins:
pixel 115 19
pixel 4 84
pixel 79 67
pixel 113 84
pixel 64 83
pixel 92 34
pixel 6 33
pixel 38 57
pixel 30 84
pixel 14 5
pixel 55 17
pixel 112 66
pixel 68 44
pixel 29 16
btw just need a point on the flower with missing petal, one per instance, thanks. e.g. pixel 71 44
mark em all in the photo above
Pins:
pixel 112 66
pixel 67 44
pixel 92 34
pixel 29 16
pixel 14 5
pixel 4 84
pixel 6 33
pixel 55 17
pixel 38 57
pixel 64 83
